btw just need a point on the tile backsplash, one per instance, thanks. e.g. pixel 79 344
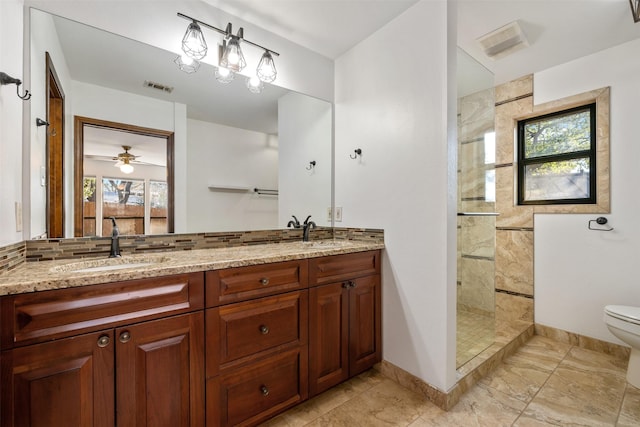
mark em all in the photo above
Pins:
pixel 84 247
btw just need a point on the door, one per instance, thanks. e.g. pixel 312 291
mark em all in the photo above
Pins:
pixel 65 383
pixel 328 336
pixel 160 372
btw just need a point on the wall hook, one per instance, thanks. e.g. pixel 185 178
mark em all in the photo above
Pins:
pixel 358 153
pixel 5 79
pixel 40 122
pixel 600 221
pixel 312 164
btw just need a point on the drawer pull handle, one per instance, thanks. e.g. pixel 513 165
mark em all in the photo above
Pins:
pixel 264 281
pixel 104 341
pixel 125 337
pixel 264 329
pixel 264 390
pixel 349 284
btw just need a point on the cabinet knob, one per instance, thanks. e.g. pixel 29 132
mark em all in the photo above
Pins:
pixel 264 281
pixel 104 341
pixel 125 337
pixel 264 329
pixel 264 390
pixel 349 284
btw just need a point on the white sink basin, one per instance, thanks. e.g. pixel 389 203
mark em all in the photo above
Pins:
pixel 109 264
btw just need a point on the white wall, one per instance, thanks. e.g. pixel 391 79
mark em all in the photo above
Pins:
pixel 10 119
pixel 156 23
pixel 227 156
pixel 304 134
pixel 578 271
pixel 400 120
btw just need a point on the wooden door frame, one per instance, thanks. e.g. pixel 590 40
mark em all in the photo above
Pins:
pixel 78 173
pixel 55 217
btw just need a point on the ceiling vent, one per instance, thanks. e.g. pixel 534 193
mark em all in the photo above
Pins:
pixel 158 86
pixel 503 41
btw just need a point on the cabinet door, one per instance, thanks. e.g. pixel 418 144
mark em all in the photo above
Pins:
pixel 328 336
pixel 160 372
pixel 62 383
pixel 365 322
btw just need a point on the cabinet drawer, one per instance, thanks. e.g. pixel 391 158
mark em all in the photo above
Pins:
pixel 243 283
pixel 336 268
pixel 240 330
pixel 41 316
pixel 252 394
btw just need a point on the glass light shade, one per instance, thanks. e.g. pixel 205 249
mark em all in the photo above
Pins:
pixel 193 44
pixel 224 75
pixel 232 57
pixel 186 64
pixel 126 168
pixel 267 68
pixel 254 84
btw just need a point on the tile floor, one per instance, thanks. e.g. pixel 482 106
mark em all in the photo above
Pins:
pixel 545 383
pixel 476 332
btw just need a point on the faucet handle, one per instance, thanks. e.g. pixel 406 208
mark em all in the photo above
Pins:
pixel 306 221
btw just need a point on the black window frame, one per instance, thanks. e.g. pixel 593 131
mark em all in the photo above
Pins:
pixel 523 162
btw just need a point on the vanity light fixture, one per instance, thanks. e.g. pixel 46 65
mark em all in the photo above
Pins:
pixel 266 68
pixel 635 10
pixel 254 84
pixel 224 75
pixel 193 43
pixel 230 56
pixel 187 64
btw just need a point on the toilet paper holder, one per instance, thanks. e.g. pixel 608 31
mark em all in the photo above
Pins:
pixel 600 221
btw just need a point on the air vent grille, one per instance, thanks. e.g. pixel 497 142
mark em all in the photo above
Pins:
pixel 158 86
pixel 503 41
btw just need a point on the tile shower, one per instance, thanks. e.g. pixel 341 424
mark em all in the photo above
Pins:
pixel 476 225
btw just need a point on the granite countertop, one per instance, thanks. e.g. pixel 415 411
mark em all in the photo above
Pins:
pixel 48 275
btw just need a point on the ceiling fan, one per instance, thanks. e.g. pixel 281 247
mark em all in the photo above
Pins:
pixel 124 160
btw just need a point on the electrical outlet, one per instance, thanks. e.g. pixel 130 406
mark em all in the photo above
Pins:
pixel 338 213
pixel 18 216
pixel 329 214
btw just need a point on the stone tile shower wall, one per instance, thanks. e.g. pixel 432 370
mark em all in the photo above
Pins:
pixel 514 226
pixel 476 242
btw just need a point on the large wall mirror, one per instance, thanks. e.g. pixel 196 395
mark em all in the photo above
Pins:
pixel 224 141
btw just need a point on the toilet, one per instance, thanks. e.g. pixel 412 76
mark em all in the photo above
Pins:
pixel 623 321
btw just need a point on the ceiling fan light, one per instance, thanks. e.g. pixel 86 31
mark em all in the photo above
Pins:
pixel 224 75
pixel 126 167
pixel 187 64
pixel 232 57
pixel 254 84
pixel 193 43
pixel 267 68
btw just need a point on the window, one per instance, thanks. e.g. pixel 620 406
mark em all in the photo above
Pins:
pixel 557 156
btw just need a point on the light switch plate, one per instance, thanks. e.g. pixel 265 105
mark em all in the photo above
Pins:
pixel 338 213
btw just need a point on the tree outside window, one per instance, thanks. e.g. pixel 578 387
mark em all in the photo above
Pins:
pixel 556 158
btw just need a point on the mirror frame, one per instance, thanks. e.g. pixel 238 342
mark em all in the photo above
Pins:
pixel 78 173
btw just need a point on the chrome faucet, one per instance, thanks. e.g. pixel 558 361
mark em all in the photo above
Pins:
pixel 115 240
pixel 308 225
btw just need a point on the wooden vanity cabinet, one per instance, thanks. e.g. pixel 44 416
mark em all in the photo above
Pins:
pixel 345 319
pixel 77 357
pixel 257 347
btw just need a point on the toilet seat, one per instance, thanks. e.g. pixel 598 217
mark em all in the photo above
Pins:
pixel 624 312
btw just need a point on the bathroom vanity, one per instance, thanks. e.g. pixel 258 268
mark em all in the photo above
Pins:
pixel 213 337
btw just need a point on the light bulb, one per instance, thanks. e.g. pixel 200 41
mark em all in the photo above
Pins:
pixel 232 57
pixel 126 168
pixel 224 75
pixel 254 84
